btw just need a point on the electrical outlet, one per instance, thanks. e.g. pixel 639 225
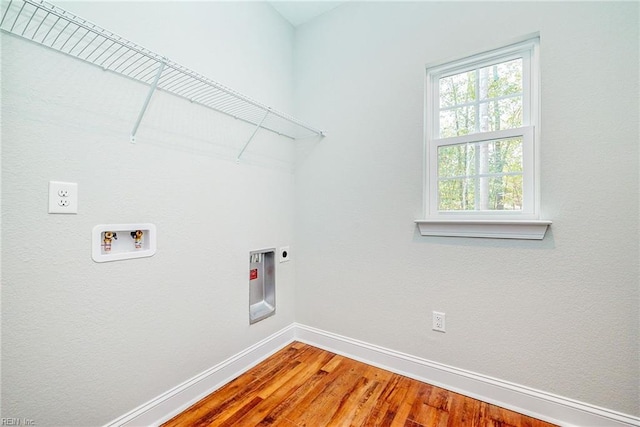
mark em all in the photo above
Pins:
pixel 63 197
pixel 438 321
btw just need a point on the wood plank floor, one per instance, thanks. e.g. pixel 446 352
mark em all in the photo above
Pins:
pixel 305 386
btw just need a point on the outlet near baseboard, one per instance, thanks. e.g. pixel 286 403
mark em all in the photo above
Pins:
pixel 438 321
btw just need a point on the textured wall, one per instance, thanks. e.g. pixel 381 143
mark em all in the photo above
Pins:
pixel 561 314
pixel 84 343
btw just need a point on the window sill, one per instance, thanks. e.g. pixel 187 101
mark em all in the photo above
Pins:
pixel 495 229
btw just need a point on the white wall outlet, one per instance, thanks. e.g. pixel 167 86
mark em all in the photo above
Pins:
pixel 63 197
pixel 438 321
pixel 285 254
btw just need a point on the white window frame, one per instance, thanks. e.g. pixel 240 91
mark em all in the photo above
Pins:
pixel 522 224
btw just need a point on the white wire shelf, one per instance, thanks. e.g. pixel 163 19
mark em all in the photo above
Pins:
pixel 60 30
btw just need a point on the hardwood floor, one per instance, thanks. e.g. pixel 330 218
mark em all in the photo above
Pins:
pixel 305 386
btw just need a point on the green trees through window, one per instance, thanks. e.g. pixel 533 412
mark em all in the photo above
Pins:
pixel 482 175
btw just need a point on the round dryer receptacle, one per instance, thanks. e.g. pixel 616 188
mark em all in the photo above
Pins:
pixel 285 254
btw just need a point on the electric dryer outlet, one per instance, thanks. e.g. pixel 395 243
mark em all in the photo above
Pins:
pixel 285 254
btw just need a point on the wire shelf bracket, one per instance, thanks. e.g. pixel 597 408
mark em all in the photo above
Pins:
pixel 252 135
pixel 154 85
pixel 58 29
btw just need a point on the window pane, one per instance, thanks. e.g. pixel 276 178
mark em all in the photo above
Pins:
pixel 481 176
pixel 500 80
pixel 456 194
pixel 494 93
pixel 456 160
pixel 457 121
pixel 505 193
pixel 503 156
pixel 501 114
pixel 457 89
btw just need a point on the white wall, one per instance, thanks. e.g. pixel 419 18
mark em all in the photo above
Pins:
pixel 559 315
pixel 84 343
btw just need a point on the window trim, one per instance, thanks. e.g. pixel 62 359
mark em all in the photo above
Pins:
pixel 524 224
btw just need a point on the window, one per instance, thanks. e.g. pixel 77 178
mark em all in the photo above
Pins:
pixel 482 116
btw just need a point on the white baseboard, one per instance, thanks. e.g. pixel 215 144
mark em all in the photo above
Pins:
pixel 179 398
pixel 545 406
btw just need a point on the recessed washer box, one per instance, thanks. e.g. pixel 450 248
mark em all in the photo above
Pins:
pixel 262 284
pixel 115 242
